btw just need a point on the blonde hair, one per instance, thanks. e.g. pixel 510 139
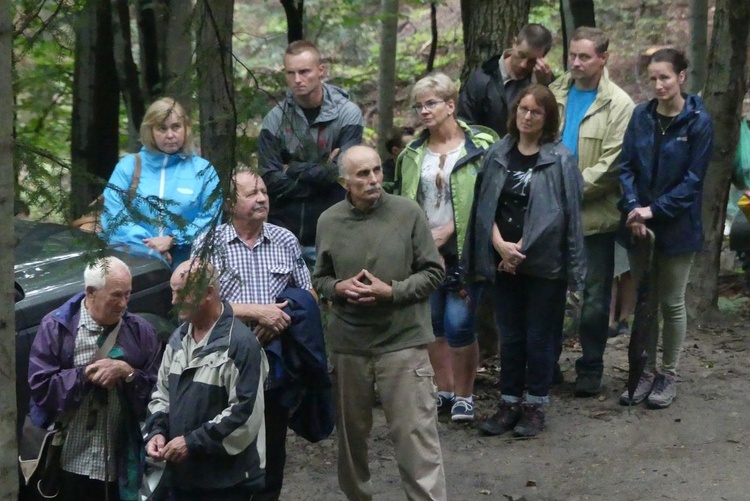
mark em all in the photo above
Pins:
pixel 157 114
pixel 439 83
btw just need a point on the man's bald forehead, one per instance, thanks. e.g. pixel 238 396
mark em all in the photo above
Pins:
pixel 357 154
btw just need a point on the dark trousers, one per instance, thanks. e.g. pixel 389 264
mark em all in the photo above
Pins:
pixel 75 487
pixel 277 421
pixel 528 311
pixel 592 329
pixel 228 494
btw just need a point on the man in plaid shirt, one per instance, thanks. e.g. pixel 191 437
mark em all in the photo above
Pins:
pixel 257 261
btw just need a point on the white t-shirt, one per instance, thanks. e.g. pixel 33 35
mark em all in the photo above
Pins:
pixel 435 187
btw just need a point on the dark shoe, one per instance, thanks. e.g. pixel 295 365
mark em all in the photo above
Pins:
pixel 532 421
pixel 588 385
pixel 503 420
pixel 462 411
pixel 557 375
pixel 664 392
pixel 444 405
pixel 642 391
pixel 623 328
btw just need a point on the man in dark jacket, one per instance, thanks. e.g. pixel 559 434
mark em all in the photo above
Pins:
pixel 99 397
pixel 206 413
pixel 300 141
pixel 490 91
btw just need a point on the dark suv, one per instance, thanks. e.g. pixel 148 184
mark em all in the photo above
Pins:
pixel 49 263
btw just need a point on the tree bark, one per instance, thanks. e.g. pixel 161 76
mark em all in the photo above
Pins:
pixel 151 32
pixel 489 27
pixel 127 71
pixel 574 13
pixel 295 19
pixel 434 34
pixel 177 62
pixel 8 463
pixel 698 45
pixel 726 86
pixel 96 105
pixel 387 77
pixel 218 116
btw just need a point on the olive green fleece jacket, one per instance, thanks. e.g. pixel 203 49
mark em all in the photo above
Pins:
pixel 600 138
pixel 392 240
pixel 462 178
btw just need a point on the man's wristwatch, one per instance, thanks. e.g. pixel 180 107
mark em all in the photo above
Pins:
pixel 130 377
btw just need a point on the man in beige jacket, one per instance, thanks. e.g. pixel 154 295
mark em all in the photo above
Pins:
pixel 595 113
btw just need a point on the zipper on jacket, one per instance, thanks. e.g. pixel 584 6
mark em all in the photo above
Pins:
pixel 161 193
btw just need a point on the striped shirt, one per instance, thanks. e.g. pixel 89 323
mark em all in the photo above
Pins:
pixel 257 274
pixel 83 452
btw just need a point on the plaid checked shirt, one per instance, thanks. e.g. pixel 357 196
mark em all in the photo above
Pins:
pixel 257 274
pixel 83 452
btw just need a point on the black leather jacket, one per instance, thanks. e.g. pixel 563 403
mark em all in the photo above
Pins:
pixel 552 231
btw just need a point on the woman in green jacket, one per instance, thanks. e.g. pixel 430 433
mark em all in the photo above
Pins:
pixel 438 169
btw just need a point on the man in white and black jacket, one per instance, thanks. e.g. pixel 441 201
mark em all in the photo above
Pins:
pixel 206 413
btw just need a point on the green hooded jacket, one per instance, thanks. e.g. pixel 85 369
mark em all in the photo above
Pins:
pixel 462 179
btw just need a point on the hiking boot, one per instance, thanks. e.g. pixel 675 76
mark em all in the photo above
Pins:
pixel 588 385
pixel 462 411
pixel 645 385
pixel 444 405
pixel 663 393
pixel 623 328
pixel 503 420
pixel 531 422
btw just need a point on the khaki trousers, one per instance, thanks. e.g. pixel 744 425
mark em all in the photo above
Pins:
pixel 404 380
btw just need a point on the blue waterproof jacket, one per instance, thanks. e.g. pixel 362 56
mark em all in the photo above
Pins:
pixel 180 184
pixel 669 180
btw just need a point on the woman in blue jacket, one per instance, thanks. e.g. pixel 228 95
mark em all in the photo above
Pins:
pixel 665 153
pixel 173 201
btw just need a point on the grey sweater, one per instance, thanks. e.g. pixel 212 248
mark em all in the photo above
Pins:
pixel 393 242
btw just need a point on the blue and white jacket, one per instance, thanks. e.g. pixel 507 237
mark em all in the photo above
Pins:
pixel 178 184
pixel 669 180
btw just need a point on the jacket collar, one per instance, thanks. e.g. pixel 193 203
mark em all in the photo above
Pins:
pixel 693 106
pixel 472 148
pixel 333 98
pixel 603 90
pixel 220 335
pixel 547 153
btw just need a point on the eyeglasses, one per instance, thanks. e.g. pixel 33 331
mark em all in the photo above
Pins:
pixel 429 106
pixel 522 110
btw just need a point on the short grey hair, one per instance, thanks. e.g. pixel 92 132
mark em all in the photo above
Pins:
pixel 439 83
pixel 95 274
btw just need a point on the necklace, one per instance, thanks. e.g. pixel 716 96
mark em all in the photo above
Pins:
pixel 664 129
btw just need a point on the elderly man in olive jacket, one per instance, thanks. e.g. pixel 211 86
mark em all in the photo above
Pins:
pixel 378 262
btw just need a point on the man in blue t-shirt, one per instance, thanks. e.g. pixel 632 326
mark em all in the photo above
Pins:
pixel 595 115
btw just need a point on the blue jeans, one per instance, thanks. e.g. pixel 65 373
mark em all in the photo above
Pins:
pixel 453 315
pixel 592 329
pixel 528 311
pixel 309 255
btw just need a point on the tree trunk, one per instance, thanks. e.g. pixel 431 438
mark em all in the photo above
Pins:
pixel 726 86
pixel 434 34
pixel 574 13
pixel 218 116
pixel 8 463
pixel 489 27
pixel 127 71
pixel 177 70
pixel 96 105
pixel 387 78
pixel 295 19
pixel 698 45
pixel 151 32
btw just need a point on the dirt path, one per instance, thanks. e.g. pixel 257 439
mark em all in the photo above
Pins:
pixel 593 449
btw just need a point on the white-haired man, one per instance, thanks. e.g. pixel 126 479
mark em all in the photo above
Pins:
pixel 92 368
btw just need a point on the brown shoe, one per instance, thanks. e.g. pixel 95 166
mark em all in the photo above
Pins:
pixel 503 420
pixel 532 421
